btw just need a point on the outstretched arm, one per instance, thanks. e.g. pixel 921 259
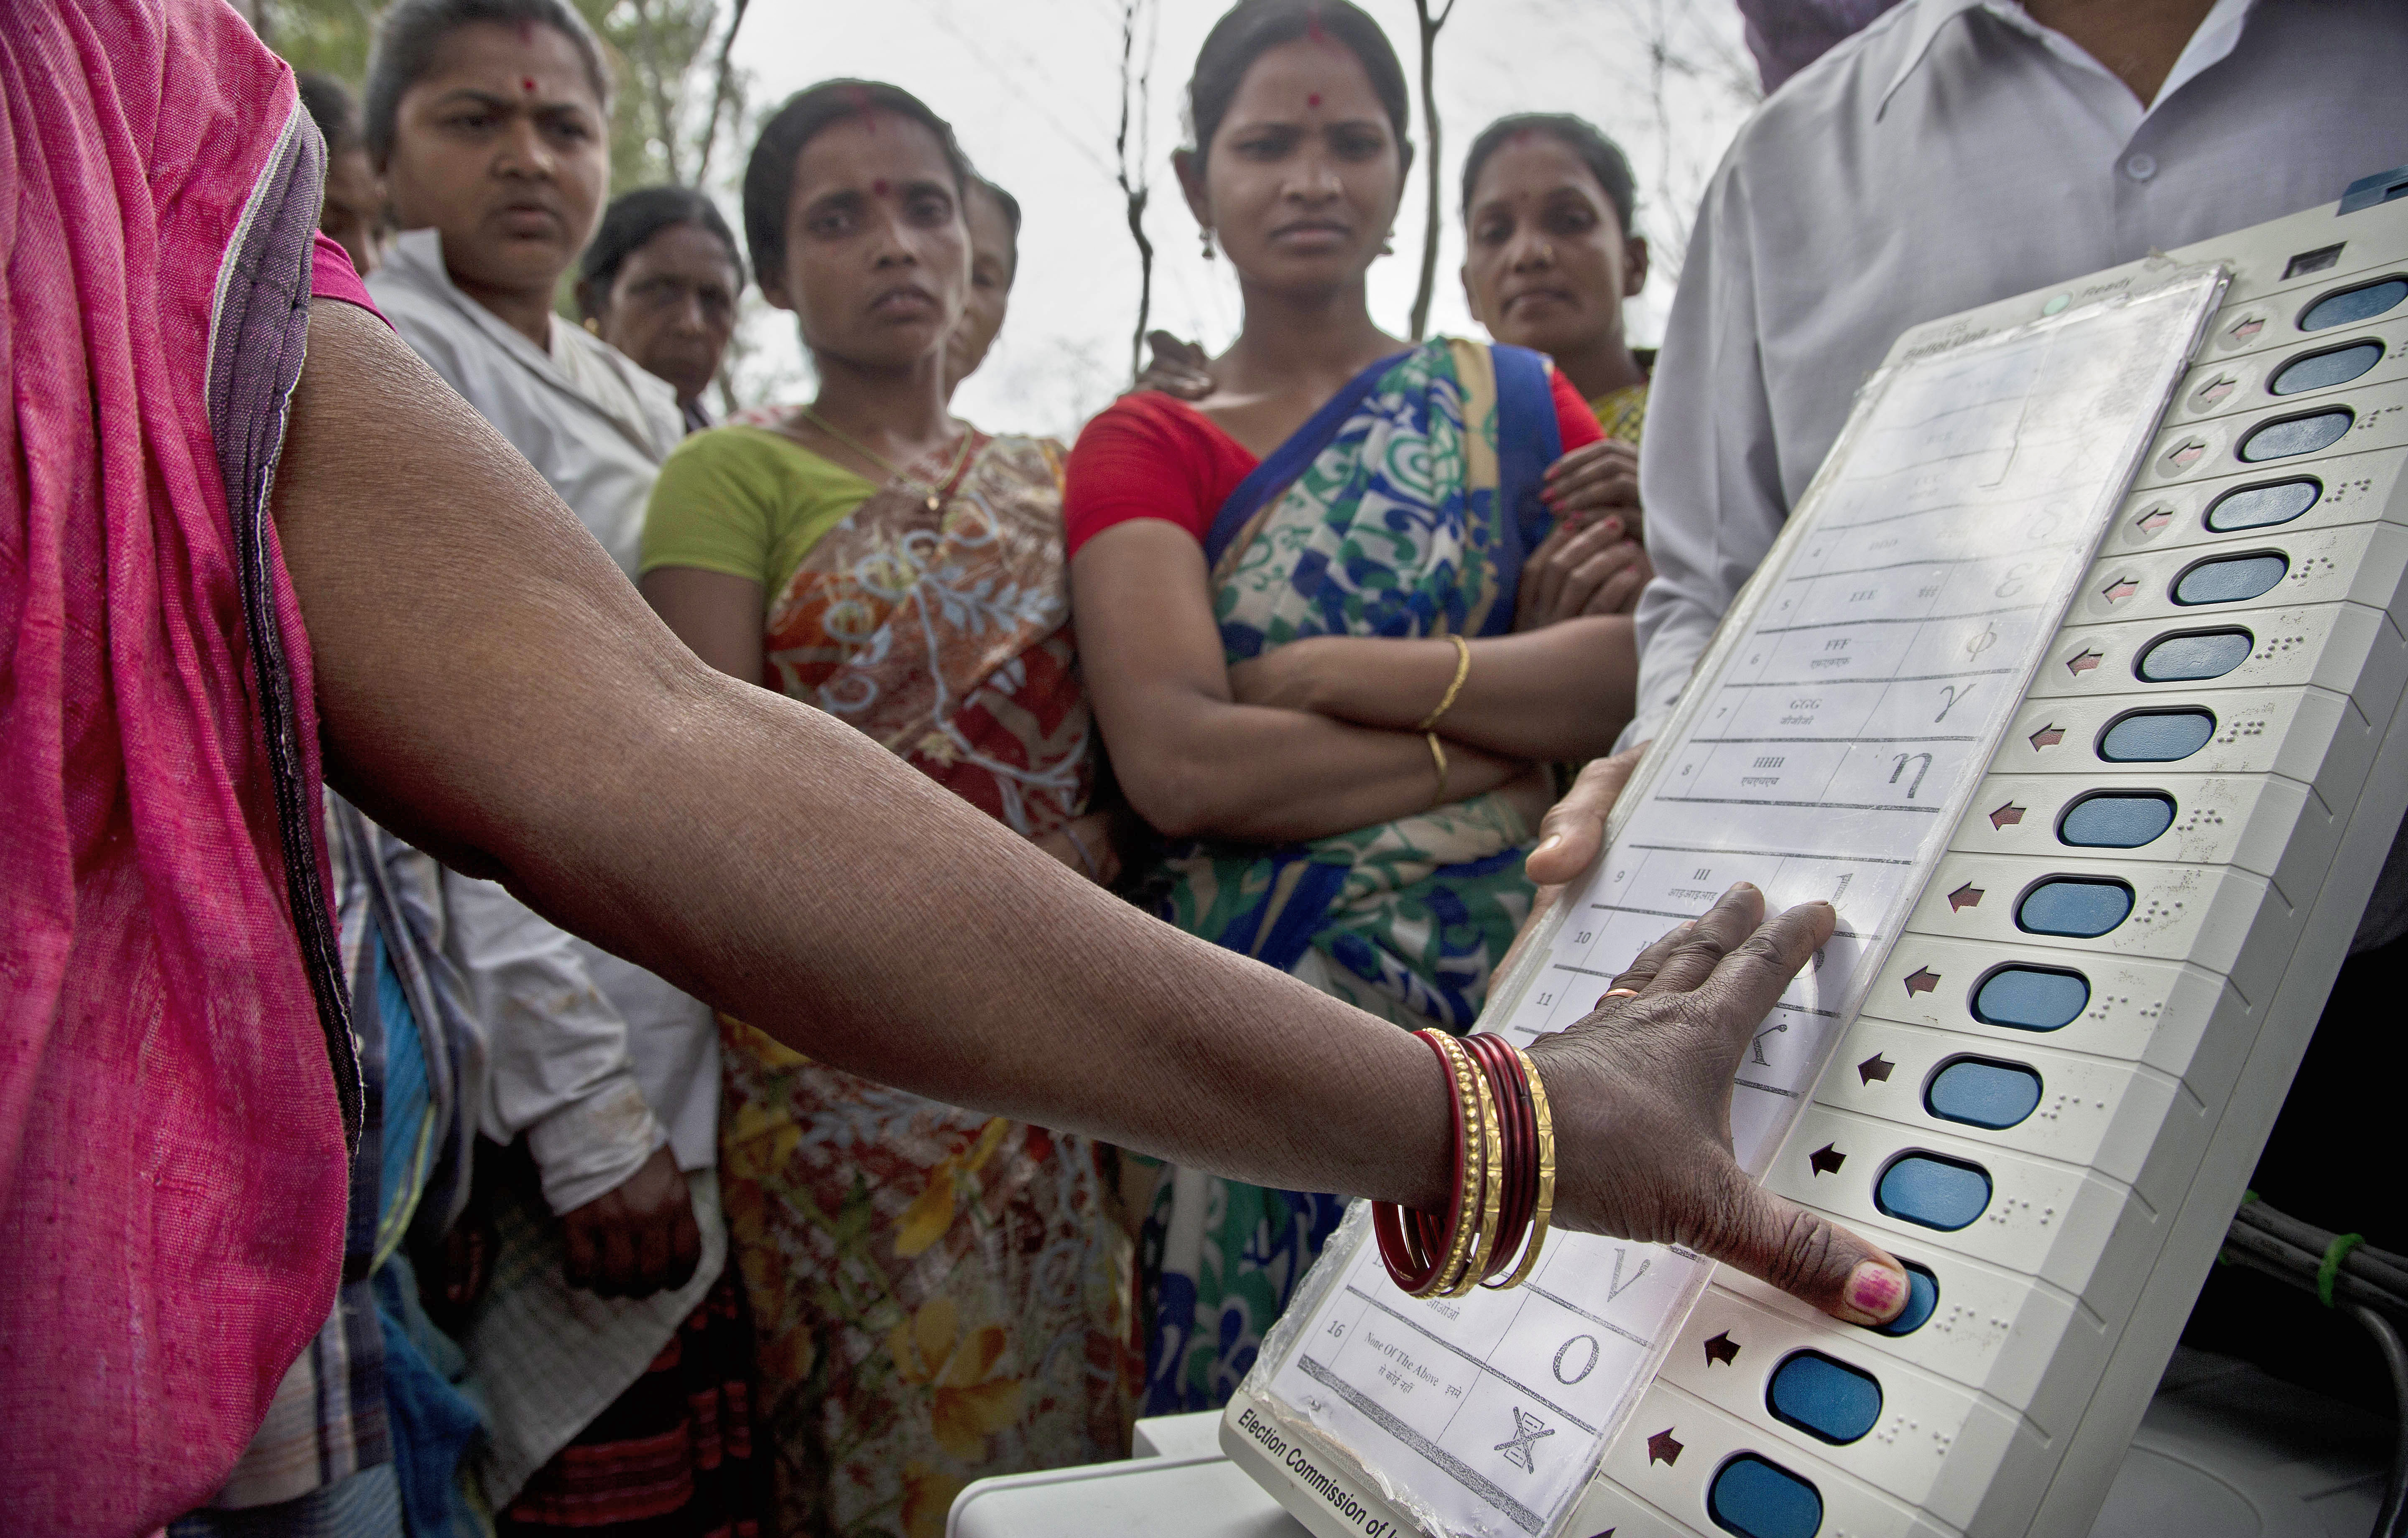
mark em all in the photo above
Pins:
pixel 492 689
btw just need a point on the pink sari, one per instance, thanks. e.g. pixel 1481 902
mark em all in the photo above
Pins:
pixel 175 1080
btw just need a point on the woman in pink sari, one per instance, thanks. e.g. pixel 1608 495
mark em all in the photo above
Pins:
pixel 177 1085
pixel 171 1132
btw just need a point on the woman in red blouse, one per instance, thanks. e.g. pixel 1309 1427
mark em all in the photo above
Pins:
pixel 1311 626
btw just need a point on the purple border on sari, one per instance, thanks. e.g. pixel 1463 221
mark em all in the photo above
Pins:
pixel 258 338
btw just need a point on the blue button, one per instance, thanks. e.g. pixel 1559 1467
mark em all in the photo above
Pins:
pixel 2286 436
pixel 2031 998
pixel 2192 655
pixel 1824 1398
pixel 2156 736
pixel 2264 504
pixel 2351 305
pixel 2117 820
pixel 1935 1191
pixel 2231 579
pixel 2326 369
pixel 1982 1093
pixel 1922 1300
pixel 1756 1498
pixel 2084 907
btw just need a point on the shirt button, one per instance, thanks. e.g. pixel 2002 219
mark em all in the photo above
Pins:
pixel 2140 167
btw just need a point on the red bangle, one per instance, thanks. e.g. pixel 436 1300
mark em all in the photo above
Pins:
pixel 1411 1252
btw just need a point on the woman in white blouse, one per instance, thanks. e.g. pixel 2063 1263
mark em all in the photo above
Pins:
pixel 488 120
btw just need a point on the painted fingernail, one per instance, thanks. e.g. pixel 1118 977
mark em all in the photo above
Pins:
pixel 1875 1290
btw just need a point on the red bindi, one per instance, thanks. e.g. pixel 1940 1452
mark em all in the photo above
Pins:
pixel 879 186
pixel 1313 100
pixel 526 85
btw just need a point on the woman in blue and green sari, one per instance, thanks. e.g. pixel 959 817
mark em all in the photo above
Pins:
pixel 1327 652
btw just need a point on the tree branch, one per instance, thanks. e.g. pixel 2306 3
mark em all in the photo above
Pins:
pixel 1428 284
pixel 723 88
pixel 1137 95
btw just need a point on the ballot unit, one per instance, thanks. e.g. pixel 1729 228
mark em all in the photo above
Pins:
pixel 2096 876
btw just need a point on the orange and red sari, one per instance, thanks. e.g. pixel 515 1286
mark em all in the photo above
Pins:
pixel 939 1295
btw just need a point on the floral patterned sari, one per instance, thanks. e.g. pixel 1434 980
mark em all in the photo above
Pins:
pixel 1404 508
pixel 941 1296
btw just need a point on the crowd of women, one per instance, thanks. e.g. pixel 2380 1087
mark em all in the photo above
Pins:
pixel 1292 649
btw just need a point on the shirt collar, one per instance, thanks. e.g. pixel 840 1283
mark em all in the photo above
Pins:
pixel 2217 34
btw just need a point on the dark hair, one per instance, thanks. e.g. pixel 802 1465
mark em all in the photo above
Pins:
pixel 411 30
pixel 1254 27
pixel 1602 155
pixel 633 219
pixel 330 106
pixel 1010 207
pixel 769 174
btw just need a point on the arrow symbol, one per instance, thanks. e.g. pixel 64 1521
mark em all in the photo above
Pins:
pixel 2154 519
pixel 2187 454
pixel 2007 816
pixel 2047 736
pixel 1874 1068
pixel 1661 1448
pixel 1827 1160
pixel 2083 662
pixel 2119 590
pixel 1966 896
pixel 1721 1349
pixel 1921 980
pixel 2246 327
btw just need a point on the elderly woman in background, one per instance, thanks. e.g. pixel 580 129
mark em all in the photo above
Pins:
pixel 942 1295
pixel 659 282
pixel 611 1348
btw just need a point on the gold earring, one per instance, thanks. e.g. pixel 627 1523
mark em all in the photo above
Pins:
pixel 1207 242
pixel 593 325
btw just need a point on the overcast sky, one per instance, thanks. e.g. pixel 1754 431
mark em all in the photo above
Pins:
pixel 1033 89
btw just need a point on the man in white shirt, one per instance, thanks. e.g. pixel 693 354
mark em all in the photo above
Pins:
pixel 1952 153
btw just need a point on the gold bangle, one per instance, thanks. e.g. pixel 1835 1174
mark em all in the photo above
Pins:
pixel 1462 671
pixel 1467 1077
pixel 1492 1181
pixel 1437 756
pixel 1546 1175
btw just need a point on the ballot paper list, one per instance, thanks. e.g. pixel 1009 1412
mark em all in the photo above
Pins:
pixel 1825 752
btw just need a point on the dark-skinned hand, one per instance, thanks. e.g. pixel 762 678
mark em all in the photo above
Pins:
pixel 1593 480
pixel 1587 567
pixel 1641 1096
pixel 1178 368
pixel 636 1238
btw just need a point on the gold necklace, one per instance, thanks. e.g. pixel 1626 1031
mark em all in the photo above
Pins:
pixel 936 492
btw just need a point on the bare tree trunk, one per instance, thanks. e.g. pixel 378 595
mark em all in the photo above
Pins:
pixel 1136 96
pixel 721 90
pixel 1428 284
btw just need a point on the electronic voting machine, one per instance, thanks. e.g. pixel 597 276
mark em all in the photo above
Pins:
pixel 2072 684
